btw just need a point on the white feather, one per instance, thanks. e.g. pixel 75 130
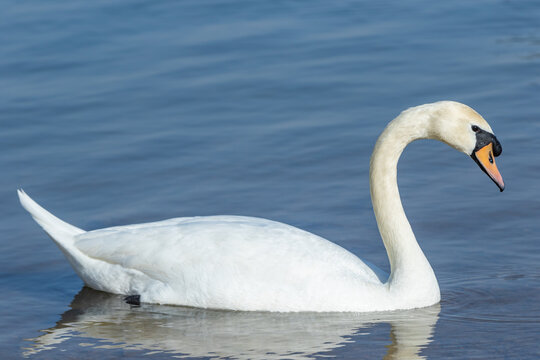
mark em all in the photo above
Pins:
pixel 244 263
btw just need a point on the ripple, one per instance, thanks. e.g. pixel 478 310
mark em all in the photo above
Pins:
pixel 501 298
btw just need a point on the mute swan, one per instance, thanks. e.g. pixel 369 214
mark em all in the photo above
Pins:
pixel 244 263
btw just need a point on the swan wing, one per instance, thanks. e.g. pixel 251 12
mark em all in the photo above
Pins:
pixel 228 257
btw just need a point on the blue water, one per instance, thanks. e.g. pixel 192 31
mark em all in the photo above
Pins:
pixel 119 112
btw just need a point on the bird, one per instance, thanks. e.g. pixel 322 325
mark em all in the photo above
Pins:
pixel 253 264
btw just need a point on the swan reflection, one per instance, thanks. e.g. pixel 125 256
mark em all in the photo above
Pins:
pixel 104 320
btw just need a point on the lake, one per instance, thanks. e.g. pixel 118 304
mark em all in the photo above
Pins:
pixel 120 112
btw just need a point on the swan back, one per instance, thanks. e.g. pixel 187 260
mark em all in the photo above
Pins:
pixel 229 262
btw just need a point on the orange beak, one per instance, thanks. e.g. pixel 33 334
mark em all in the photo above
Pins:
pixel 485 159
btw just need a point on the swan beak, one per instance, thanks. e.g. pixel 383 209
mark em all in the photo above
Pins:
pixel 485 159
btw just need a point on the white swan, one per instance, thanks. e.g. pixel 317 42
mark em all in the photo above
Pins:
pixel 243 263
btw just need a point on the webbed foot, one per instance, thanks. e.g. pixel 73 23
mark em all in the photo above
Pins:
pixel 133 300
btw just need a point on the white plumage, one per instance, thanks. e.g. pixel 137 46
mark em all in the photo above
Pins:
pixel 245 263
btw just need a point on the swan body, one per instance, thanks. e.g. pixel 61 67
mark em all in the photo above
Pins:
pixel 245 263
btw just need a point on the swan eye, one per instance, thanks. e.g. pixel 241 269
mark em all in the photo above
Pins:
pixel 475 128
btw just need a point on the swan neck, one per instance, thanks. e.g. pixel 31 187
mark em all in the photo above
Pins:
pixel 407 261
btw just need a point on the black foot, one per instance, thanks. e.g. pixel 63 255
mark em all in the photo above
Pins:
pixel 133 300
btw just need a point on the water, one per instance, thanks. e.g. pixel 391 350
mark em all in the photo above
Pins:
pixel 123 112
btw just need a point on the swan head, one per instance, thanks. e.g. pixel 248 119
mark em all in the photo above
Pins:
pixel 465 130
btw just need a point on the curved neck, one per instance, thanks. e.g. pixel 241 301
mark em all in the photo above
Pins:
pixel 410 270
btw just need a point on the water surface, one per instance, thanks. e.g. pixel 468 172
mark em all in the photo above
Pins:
pixel 123 112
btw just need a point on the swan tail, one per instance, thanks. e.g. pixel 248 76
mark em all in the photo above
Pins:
pixel 61 232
